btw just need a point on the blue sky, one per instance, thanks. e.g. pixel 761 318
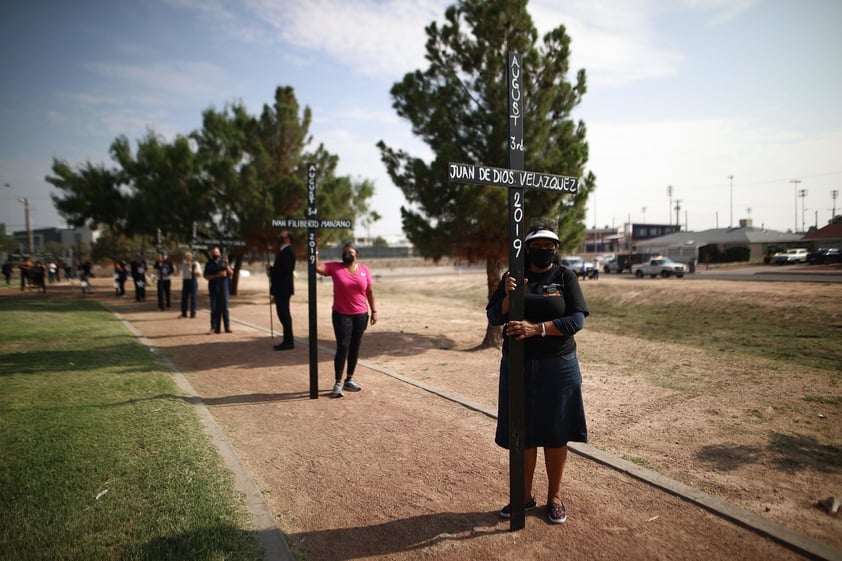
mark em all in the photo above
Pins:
pixel 681 93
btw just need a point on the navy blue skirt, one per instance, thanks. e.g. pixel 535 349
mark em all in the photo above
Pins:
pixel 553 409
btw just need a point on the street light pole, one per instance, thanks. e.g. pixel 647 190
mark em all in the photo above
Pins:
pixel 677 215
pixel 795 183
pixel 803 194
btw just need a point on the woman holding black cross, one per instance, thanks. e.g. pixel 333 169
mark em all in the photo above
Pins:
pixel 353 298
pixel 554 311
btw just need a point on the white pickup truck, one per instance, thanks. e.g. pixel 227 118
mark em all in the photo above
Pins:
pixel 659 266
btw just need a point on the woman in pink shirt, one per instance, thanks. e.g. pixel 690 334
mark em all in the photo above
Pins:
pixel 352 298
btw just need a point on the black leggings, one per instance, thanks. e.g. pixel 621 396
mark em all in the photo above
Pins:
pixel 349 335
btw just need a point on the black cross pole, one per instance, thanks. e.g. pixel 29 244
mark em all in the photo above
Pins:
pixel 193 245
pixel 516 387
pixel 312 223
pixel 516 180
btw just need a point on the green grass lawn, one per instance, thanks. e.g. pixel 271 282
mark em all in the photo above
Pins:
pixel 801 334
pixel 100 457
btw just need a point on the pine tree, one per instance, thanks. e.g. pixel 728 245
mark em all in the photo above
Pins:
pixel 458 106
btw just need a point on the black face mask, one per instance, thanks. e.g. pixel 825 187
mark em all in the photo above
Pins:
pixel 217 257
pixel 541 258
pixel 348 258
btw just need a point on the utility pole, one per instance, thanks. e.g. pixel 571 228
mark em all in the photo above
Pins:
pixel 25 201
pixel 795 183
pixel 731 219
pixel 669 192
pixel 677 215
pixel 834 195
pixel 803 194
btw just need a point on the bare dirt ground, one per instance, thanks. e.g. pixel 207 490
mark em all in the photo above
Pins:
pixel 395 472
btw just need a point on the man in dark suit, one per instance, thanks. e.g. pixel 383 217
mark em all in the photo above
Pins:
pixel 282 286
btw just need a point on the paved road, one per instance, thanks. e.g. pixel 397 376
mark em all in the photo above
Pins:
pixel 818 273
pixel 768 273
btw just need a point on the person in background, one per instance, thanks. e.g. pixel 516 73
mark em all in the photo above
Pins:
pixel 554 311
pixel 119 278
pixel 190 274
pixel 86 272
pixel 25 267
pixel 583 270
pixel 38 276
pixel 165 270
pixel 7 270
pixel 353 298
pixel 218 274
pixel 282 287
pixel 123 276
pixel 138 268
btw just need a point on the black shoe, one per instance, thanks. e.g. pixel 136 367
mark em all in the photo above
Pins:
pixel 284 346
pixel 227 331
pixel 506 511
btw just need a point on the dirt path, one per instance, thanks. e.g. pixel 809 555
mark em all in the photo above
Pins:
pixel 396 473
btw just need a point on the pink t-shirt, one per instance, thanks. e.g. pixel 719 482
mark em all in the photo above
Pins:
pixel 349 289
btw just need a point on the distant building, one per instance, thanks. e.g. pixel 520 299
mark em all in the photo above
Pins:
pixel 694 246
pixel 617 240
pixel 829 236
pixel 603 240
pixel 68 238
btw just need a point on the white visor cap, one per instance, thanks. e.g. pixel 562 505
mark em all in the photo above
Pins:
pixel 546 234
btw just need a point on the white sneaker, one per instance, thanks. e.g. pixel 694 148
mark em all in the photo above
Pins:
pixel 337 390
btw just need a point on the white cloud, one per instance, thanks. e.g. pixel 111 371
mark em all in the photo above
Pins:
pixel 615 42
pixel 382 40
pixel 619 42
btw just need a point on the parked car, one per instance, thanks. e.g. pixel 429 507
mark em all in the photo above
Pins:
pixel 624 262
pixel 579 266
pixel 770 253
pixel 612 266
pixel 659 266
pixel 792 255
pixel 825 255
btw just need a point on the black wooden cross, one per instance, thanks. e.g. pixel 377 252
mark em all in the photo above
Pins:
pixel 312 223
pixel 516 180
pixel 223 243
pixel 193 245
